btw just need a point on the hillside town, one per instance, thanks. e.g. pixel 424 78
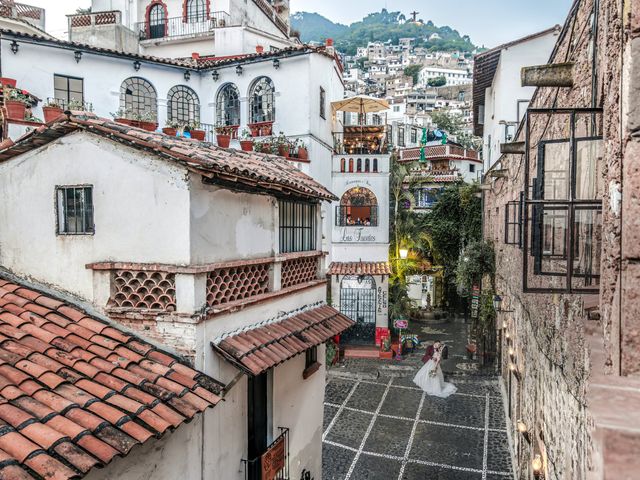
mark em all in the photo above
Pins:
pixel 235 247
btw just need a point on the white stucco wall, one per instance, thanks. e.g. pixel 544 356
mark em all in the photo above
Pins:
pixel 501 99
pixel 141 211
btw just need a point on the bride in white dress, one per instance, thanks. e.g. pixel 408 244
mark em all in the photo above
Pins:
pixel 430 378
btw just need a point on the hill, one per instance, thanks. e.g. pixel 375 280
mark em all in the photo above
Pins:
pixel 378 27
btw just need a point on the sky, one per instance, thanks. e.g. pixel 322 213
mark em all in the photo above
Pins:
pixel 487 22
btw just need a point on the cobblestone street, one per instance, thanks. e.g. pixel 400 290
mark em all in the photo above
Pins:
pixel 379 425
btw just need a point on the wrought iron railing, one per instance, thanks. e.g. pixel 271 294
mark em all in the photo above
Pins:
pixel 364 143
pixel 452 152
pixel 177 27
pixel 72 105
pixel 274 463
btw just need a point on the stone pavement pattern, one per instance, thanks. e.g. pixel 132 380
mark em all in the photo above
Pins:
pixel 379 425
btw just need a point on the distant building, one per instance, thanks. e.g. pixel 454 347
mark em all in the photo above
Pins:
pixel 452 76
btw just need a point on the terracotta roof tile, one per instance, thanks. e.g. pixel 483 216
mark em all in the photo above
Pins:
pixel 76 391
pixel 232 169
pixel 359 268
pixel 257 350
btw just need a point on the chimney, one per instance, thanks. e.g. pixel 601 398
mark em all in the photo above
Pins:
pixel 329 46
pixel 195 56
pixel 259 49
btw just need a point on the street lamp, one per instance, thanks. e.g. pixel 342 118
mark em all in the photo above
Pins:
pixel 404 253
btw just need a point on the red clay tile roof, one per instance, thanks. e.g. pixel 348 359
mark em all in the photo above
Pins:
pixel 360 268
pixel 262 348
pixel 233 169
pixel 75 391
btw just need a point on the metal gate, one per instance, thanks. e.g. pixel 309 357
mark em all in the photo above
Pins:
pixel 359 304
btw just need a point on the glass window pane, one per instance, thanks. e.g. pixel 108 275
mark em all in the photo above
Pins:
pixel 589 175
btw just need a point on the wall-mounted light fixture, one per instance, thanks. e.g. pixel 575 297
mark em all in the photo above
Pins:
pixel 524 430
pixel 187 75
pixel 404 253
pixel 239 69
pixel 276 63
pixel 536 464
pixel 215 75
pixel 137 65
pixel 497 304
pixel 505 324
pixel 15 47
pixel 512 352
pixel 78 56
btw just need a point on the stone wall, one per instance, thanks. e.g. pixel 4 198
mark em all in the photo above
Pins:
pixel 548 332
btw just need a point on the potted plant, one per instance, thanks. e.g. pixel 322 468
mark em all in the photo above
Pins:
pixel 196 132
pixel 223 135
pixel 8 82
pixel 16 103
pixel 246 143
pixel 79 105
pixel 303 153
pixel 52 110
pixel 147 121
pixel 283 145
pixel 171 128
pixel 121 116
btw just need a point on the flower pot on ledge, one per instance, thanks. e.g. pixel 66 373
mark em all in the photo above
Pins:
pixel 9 82
pixel 198 135
pixel 283 151
pixel 246 145
pixel 52 113
pixel 149 126
pixel 124 121
pixel 223 140
pixel 303 153
pixel 15 109
pixel 172 132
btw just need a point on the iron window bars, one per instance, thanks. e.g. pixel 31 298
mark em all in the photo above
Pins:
pixel 183 105
pixel 74 210
pixel 298 226
pixel 228 105
pixel 562 221
pixel 262 101
pixel 139 97
pixel 513 221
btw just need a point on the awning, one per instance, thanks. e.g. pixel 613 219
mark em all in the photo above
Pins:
pixel 259 349
pixel 359 268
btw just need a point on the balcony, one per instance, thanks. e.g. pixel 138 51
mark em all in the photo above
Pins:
pixel 33 15
pixel 439 152
pixel 361 140
pixel 155 289
pixel 178 27
pixel 83 20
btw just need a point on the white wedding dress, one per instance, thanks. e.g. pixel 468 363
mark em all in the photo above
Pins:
pixel 434 385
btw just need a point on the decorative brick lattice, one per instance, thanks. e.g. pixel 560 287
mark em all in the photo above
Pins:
pixel 81 21
pixel 144 290
pixel 299 270
pixel 236 283
pixel 106 18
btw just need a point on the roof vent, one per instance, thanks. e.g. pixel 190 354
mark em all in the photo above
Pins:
pixel 195 56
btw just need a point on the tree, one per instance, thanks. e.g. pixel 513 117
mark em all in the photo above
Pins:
pixel 453 124
pixel 413 71
pixel 437 82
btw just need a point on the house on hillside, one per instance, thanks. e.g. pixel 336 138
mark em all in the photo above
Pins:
pixel 214 254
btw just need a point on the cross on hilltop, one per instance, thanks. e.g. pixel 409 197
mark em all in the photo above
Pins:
pixel 415 16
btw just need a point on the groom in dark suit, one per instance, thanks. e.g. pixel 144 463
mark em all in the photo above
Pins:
pixel 430 350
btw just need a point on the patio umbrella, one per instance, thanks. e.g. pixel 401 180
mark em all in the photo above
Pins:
pixel 361 104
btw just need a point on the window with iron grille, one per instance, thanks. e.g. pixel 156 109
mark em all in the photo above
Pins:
pixel 400 136
pixel 311 357
pixel 562 221
pixel 513 222
pixel 414 136
pixel 196 10
pixel 67 89
pixel 139 97
pixel 74 210
pixel 298 226
pixel 358 208
pixel 228 105
pixel 262 101
pixel 323 103
pixel 183 105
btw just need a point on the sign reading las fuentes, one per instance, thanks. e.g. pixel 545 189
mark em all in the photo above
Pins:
pixel 356 235
pixel 273 460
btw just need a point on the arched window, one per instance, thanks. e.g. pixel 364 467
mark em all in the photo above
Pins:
pixel 157 20
pixel 367 165
pixel 359 167
pixel 262 101
pixel 183 105
pixel 375 165
pixel 351 165
pixel 196 11
pixel 343 165
pixel 358 208
pixel 228 105
pixel 139 98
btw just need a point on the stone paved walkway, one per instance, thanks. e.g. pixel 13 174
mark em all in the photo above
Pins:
pixel 379 425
